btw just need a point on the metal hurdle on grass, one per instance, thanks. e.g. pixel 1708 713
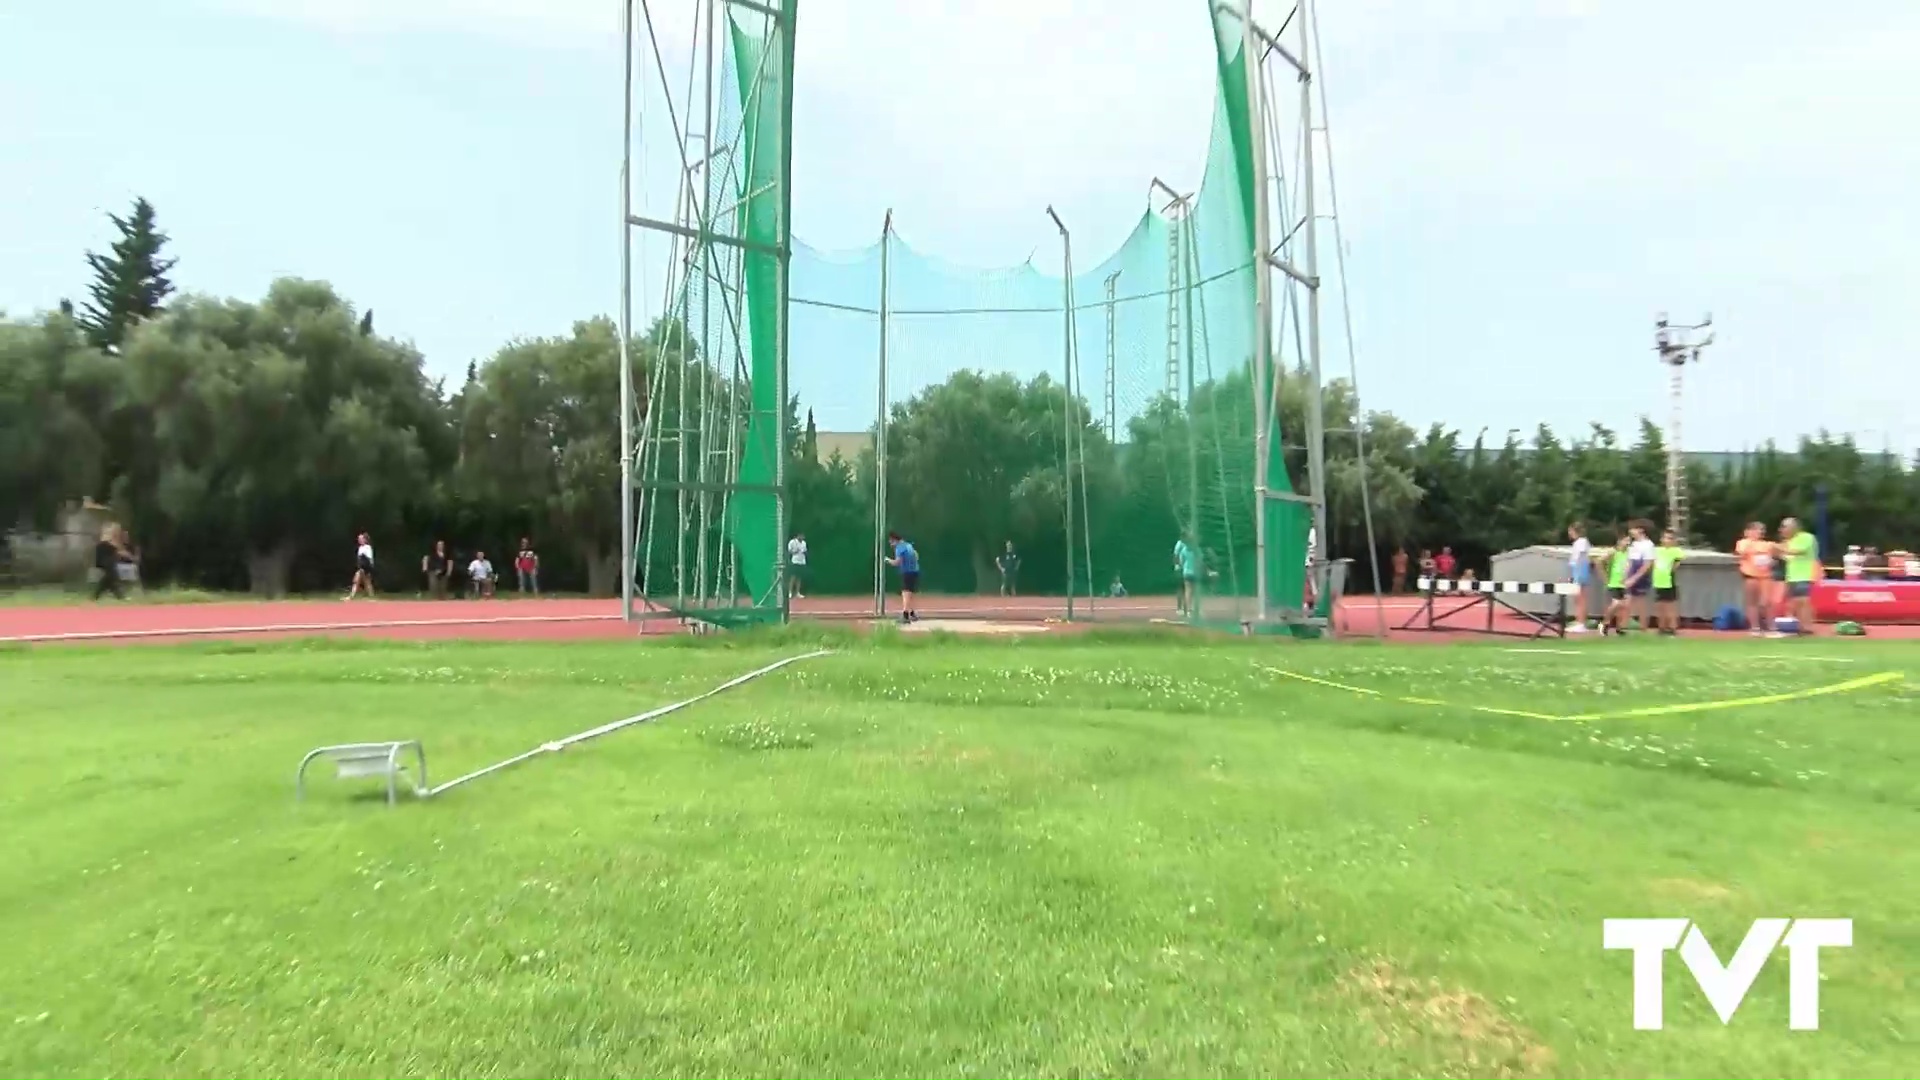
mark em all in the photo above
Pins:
pixel 1492 597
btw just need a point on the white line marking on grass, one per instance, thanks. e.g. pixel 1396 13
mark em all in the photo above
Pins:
pixel 299 628
pixel 1555 652
pixel 557 745
pixel 1816 659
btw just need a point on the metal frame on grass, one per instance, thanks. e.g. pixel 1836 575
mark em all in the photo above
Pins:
pixel 1490 596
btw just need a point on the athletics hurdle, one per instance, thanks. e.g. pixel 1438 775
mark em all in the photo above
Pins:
pixel 1489 595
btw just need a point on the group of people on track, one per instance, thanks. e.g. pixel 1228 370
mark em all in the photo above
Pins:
pixel 439 569
pixel 1642 585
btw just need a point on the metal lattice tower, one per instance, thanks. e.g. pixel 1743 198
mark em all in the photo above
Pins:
pixel 1178 211
pixel 1111 413
pixel 1175 226
pixel 1676 348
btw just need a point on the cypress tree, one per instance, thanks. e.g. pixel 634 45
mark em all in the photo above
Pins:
pixel 129 281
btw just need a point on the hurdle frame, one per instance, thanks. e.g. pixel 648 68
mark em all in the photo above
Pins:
pixel 1491 596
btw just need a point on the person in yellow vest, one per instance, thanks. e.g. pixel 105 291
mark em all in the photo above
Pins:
pixel 1666 592
pixel 1802 553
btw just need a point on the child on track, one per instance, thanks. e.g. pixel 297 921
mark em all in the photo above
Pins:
pixel 1579 572
pixel 907 561
pixel 1640 574
pixel 1614 619
pixel 1666 594
pixel 1756 576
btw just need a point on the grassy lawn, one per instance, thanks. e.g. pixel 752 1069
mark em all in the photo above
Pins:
pixel 1070 857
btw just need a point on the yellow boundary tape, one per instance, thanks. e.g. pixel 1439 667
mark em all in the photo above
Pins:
pixel 1850 685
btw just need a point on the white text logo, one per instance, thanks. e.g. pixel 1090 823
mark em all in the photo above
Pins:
pixel 1726 985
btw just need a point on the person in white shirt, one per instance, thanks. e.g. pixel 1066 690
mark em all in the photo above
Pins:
pixel 1580 572
pixel 1313 593
pixel 362 567
pixel 480 575
pixel 1853 563
pixel 1640 573
pixel 797 566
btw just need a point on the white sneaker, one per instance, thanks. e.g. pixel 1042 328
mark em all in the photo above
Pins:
pixel 1577 628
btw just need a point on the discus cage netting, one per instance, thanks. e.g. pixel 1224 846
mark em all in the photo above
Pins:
pixel 1091 419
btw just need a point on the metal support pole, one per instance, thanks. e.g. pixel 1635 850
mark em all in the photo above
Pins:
pixel 709 283
pixel 1316 419
pixel 626 317
pixel 1066 428
pixel 787 24
pixel 880 552
pixel 1262 312
pixel 1188 272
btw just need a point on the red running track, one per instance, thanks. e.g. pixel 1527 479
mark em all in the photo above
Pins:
pixel 528 620
pixel 500 620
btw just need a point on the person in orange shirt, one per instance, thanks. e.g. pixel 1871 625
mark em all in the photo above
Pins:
pixel 1756 573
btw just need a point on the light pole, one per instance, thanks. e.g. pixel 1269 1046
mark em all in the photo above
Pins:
pixel 1677 347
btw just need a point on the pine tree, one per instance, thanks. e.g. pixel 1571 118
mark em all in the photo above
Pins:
pixel 130 281
pixel 366 324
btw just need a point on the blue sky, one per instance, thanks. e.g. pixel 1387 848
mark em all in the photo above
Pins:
pixel 1522 185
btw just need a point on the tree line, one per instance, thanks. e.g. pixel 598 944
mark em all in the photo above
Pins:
pixel 245 442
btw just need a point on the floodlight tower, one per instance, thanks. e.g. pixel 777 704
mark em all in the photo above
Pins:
pixel 1178 210
pixel 1677 347
pixel 1108 402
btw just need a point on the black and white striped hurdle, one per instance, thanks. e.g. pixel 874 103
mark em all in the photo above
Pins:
pixel 1490 595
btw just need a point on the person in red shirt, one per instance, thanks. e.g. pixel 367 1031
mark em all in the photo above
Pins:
pixel 1444 564
pixel 526 567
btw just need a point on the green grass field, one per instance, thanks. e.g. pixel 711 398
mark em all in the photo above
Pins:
pixel 1080 856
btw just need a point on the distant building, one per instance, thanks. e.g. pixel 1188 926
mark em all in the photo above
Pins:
pixel 848 444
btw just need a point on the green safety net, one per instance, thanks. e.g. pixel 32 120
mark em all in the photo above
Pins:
pixel 1157 340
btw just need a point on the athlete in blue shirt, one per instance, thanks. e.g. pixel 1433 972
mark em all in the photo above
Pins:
pixel 908 561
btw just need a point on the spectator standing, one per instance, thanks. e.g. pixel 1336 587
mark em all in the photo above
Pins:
pixel 1640 554
pixel 1399 569
pixel 1615 618
pixel 437 565
pixel 1854 563
pixel 1444 564
pixel 1580 572
pixel 1008 564
pixel 797 566
pixel 1666 587
pixel 526 567
pixel 1755 552
pixel 1802 554
pixel 108 555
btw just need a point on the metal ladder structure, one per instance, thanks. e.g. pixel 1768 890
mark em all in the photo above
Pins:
pixel 1176 226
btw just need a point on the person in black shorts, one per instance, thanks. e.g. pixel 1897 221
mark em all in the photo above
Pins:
pixel 907 560
pixel 107 555
pixel 362 567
